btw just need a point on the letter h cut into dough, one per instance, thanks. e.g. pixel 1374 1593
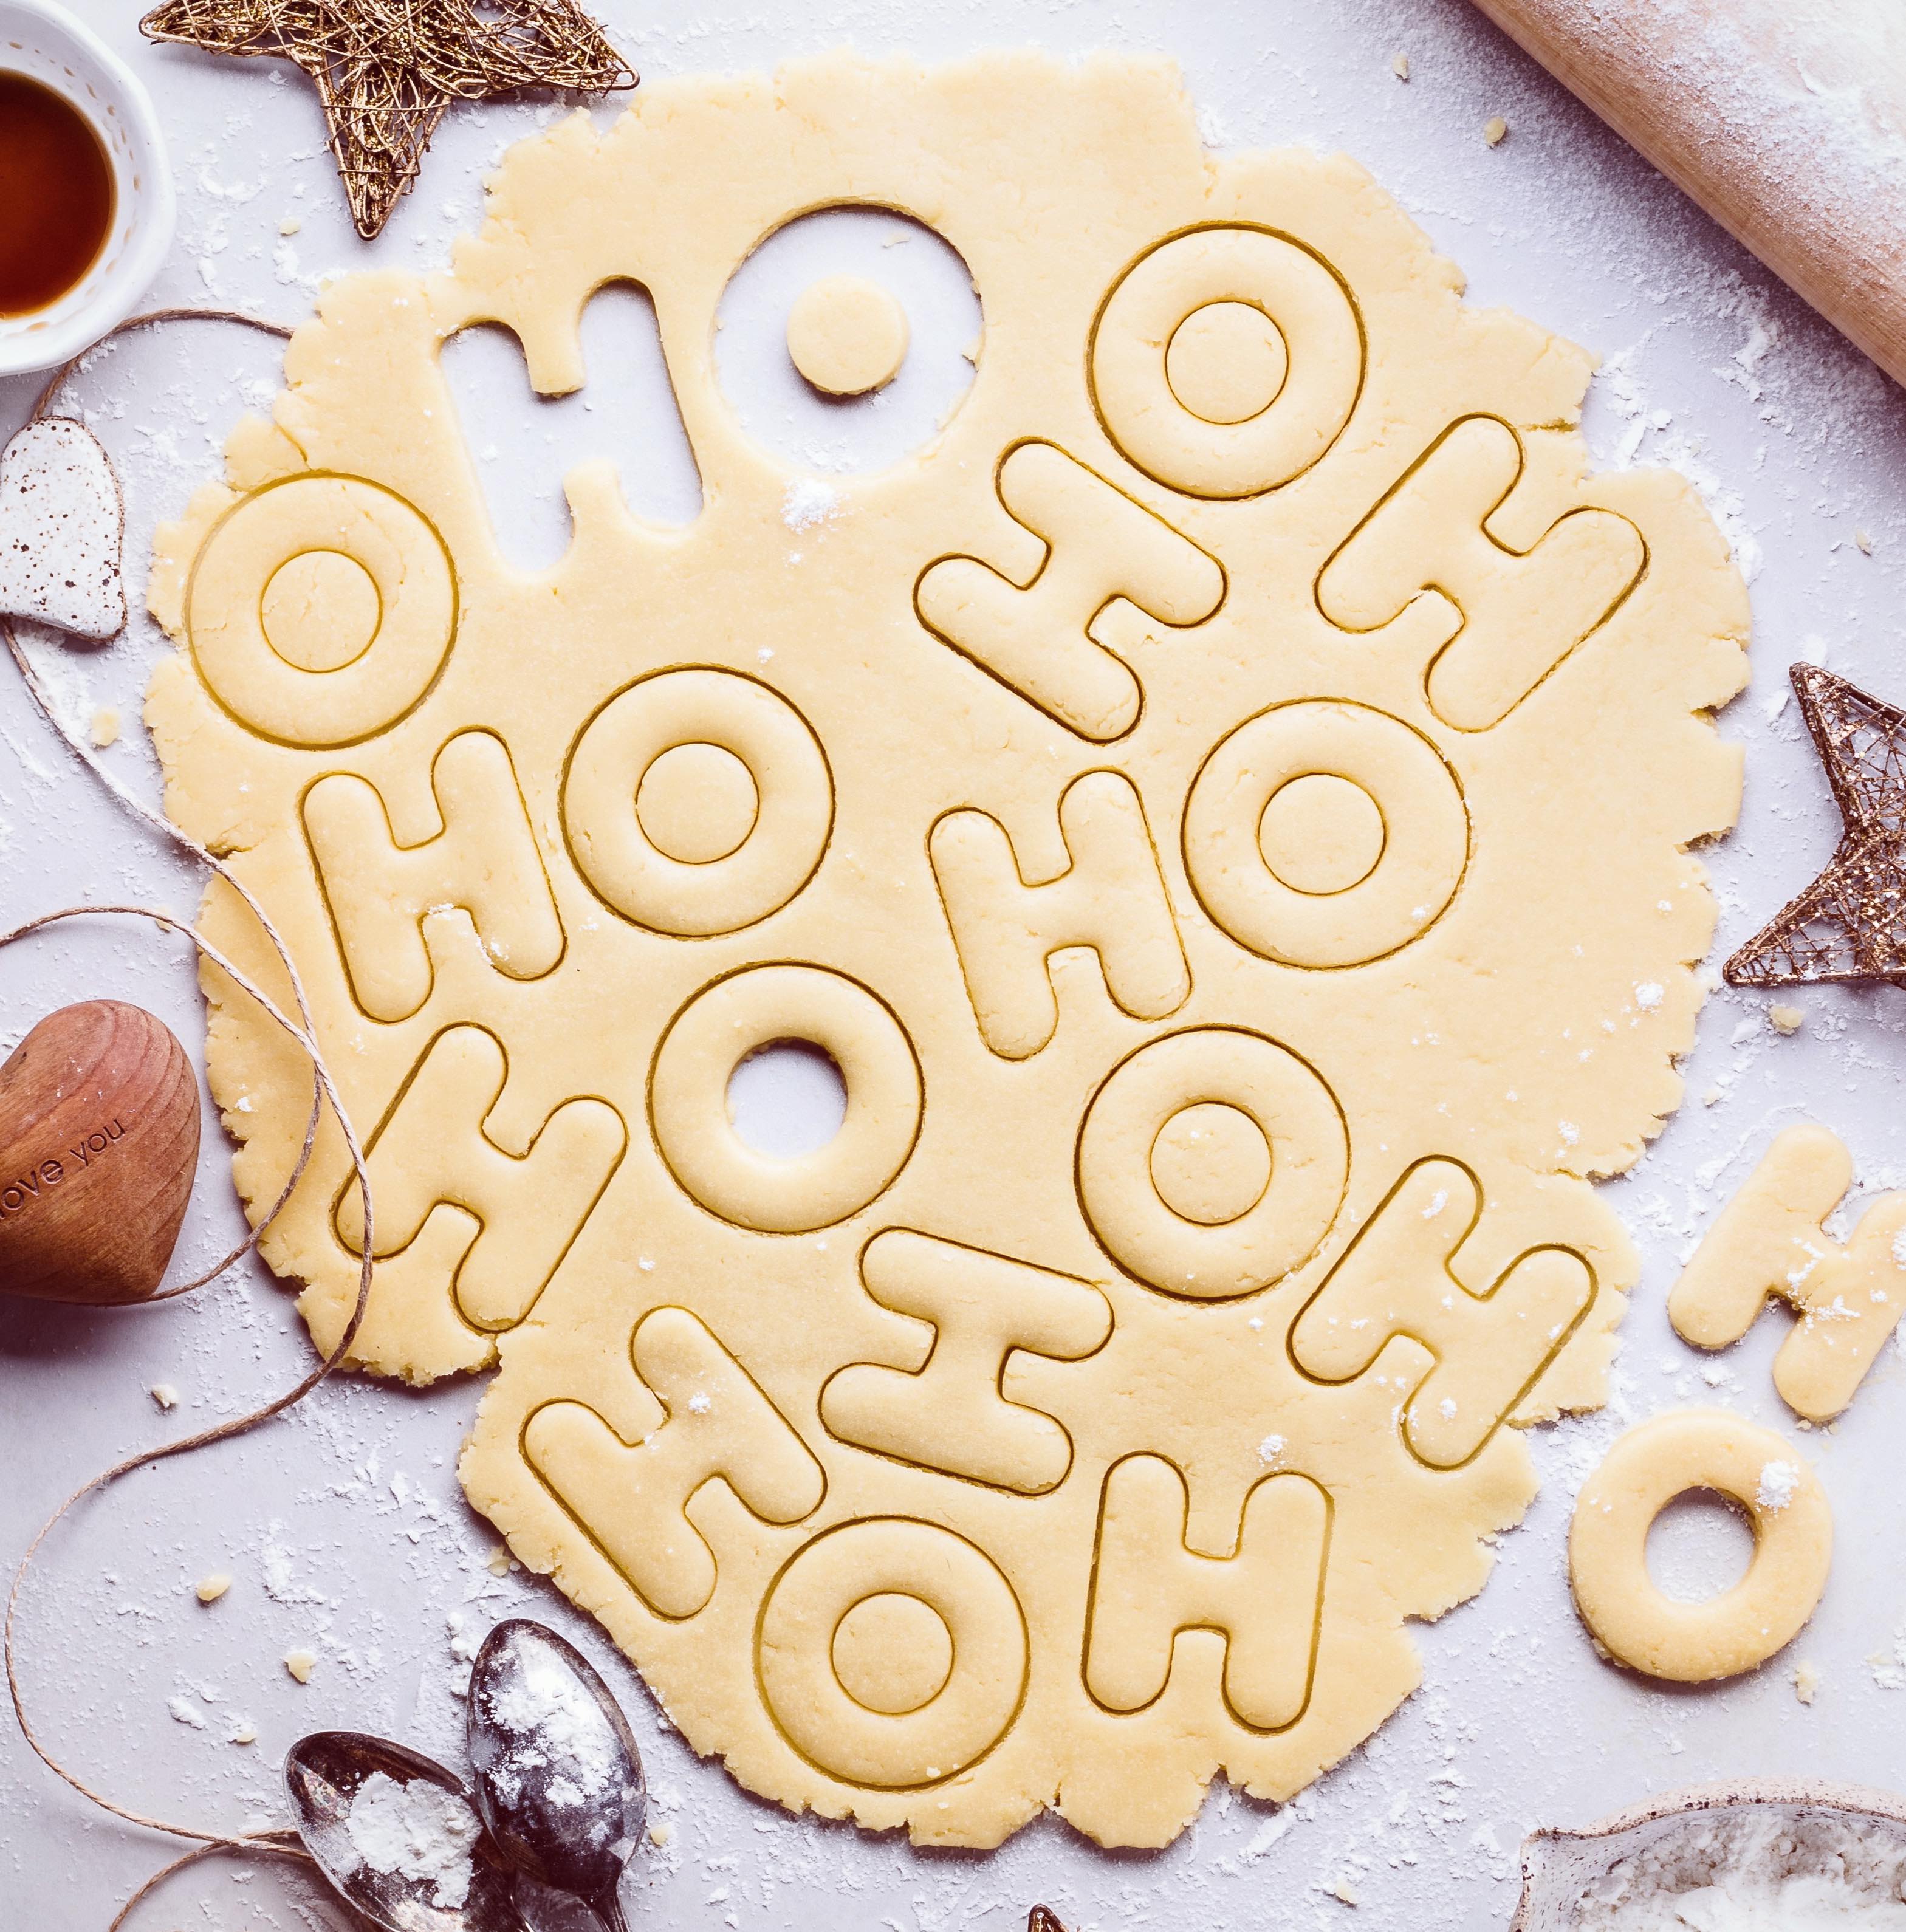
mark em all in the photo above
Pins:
pixel 1398 1280
pixel 484 859
pixel 631 1498
pixel 1101 545
pixel 1112 898
pixel 1266 1600
pixel 431 1148
pixel 1517 613
pixel 1768 1240
pixel 952 1412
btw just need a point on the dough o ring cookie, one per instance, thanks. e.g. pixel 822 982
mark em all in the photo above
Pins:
pixel 846 335
pixel 717 1030
pixel 1646 1469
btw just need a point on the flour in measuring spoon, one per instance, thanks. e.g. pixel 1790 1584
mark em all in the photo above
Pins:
pixel 417 1831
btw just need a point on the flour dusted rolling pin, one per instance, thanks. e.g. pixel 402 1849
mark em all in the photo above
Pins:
pixel 1785 119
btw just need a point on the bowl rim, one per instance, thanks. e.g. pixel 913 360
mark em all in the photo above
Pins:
pixel 49 28
pixel 1728 1794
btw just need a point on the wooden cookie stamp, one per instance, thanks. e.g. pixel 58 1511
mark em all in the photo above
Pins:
pixel 99 1139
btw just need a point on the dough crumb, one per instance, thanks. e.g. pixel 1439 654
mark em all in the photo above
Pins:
pixel 212 1587
pixel 1806 1681
pixel 106 727
pixel 1787 1019
pixel 1862 543
pixel 164 1394
pixel 1399 67
pixel 661 1831
pixel 301 1664
pixel 1712 1098
pixel 290 225
pixel 1344 1892
pixel 1495 131
pixel 498 1562
pixel 247 1733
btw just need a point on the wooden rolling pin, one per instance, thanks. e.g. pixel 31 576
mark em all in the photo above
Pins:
pixel 1785 119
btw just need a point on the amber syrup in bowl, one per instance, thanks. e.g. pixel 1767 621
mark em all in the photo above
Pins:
pixel 57 198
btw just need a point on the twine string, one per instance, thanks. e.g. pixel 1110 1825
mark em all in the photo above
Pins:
pixel 324 1093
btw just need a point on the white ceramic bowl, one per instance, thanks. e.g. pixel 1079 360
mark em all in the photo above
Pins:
pixel 46 43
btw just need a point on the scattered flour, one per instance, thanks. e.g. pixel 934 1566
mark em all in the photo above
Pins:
pixel 1778 1481
pixel 417 1830
pixel 808 502
pixel 552 1719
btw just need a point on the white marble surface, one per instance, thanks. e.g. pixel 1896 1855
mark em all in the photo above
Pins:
pixel 343 1525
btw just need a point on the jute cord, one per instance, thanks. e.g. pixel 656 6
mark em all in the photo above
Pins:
pixel 324 1093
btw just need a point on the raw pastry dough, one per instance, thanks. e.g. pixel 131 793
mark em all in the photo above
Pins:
pixel 1770 1240
pixel 1725 1634
pixel 846 335
pixel 1238 864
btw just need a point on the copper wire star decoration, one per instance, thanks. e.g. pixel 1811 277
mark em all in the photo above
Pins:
pixel 1850 922
pixel 387 69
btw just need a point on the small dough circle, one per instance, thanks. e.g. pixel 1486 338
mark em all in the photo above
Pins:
pixel 798 1636
pixel 1236 851
pixel 642 853
pixel 892 1653
pixel 321 610
pixel 1196 280
pixel 1647 1468
pixel 696 803
pixel 1210 1163
pixel 846 335
pixel 252 581
pixel 1150 1234
pixel 1321 834
pixel 734 1017
pixel 1226 362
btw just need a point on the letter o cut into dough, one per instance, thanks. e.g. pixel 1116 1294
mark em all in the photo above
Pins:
pixel 1646 1469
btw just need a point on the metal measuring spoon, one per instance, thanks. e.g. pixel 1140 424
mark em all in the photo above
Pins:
pixel 559 1781
pixel 323 1773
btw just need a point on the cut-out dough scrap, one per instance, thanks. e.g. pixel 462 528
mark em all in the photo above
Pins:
pixel 1265 1593
pixel 1768 1240
pixel 1518 611
pixel 1111 898
pixel 482 861
pixel 948 1411
pixel 1489 1343
pixel 1646 1469
pixel 632 1497
pixel 1158 925
pixel 1102 547
pixel 846 335
pixel 435 1147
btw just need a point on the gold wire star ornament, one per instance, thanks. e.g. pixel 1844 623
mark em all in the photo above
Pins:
pixel 1850 922
pixel 387 69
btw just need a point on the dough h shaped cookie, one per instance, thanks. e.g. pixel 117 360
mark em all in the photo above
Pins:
pixel 1399 1280
pixel 1102 546
pixel 61 527
pixel 1264 1596
pixel 482 860
pixel 1769 1240
pixel 1517 613
pixel 952 1412
pixel 632 1499
pixel 1112 898
pixel 432 1149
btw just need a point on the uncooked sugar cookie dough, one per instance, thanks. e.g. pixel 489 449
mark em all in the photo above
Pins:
pixel 1222 801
